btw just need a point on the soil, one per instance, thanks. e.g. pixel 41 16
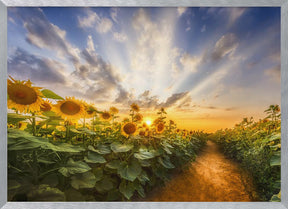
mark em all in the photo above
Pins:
pixel 211 178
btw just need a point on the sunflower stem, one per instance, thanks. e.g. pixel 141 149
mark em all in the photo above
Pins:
pixel 83 136
pixel 132 115
pixel 67 130
pixel 34 124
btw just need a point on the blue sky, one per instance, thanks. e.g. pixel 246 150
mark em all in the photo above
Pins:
pixel 209 67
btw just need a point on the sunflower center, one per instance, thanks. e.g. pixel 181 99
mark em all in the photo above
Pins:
pixel 22 94
pixel 70 108
pixel 106 115
pixel 142 133
pixel 129 128
pixel 160 127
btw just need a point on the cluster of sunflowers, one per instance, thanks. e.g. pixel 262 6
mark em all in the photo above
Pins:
pixel 27 99
pixel 68 150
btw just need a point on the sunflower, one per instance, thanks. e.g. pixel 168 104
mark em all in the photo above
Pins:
pixel 90 110
pixel 128 129
pixel 184 134
pixel 177 130
pixel 135 107
pixel 142 132
pixel 160 128
pixel 106 116
pixel 277 108
pixel 22 125
pixel 23 96
pixel 156 121
pixel 108 129
pixel 138 117
pixel 113 110
pixel 126 120
pixel 46 106
pixel 70 108
pixel 10 125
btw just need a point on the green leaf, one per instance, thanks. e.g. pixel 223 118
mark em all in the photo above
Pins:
pixel 98 172
pixel 144 154
pixel 75 131
pixel 94 158
pixel 45 161
pixel 275 137
pixel 64 147
pixel 83 180
pixel 50 94
pixel 74 167
pixel 166 144
pixel 73 195
pixel 276 197
pixel 119 147
pixel 86 131
pixel 13 118
pixel 21 140
pixel 145 163
pixel 165 162
pixel 143 177
pixel 114 164
pixel 139 188
pixel 51 180
pixel 114 195
pixel 101 149
pixel 45 193
pixel 130 171
pixel 104 185
pixel 276 159
pixel 127 189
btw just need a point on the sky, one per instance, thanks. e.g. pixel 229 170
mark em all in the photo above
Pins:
pixel 208 67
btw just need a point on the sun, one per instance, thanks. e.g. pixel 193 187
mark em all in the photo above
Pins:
pixel 148 122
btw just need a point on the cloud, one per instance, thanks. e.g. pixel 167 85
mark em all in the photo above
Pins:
pixel 114 13
pixel 104 25
pixel 96 76
pixel 45 35
pixel 173 99
pixel 274 73
pixel 148 101
pixel 189 63
pixel 235 14
pixel 154 47
pixel 88 21
pixel 92 19
pixel 120 37
pixel 226 45
pixel 181 10
pixel 27 66
pixel 90 44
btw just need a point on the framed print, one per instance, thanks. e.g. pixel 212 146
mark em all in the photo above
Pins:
pixel 157 104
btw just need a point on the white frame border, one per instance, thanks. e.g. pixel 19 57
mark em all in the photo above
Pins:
pixel 144 3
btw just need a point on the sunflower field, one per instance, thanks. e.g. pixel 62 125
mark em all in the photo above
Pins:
pixel 257 147
pixel 64 149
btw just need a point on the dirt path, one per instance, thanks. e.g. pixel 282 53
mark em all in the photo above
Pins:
pixel 212 177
